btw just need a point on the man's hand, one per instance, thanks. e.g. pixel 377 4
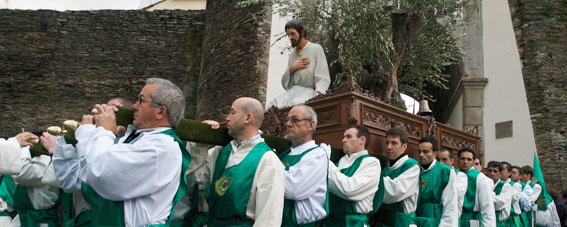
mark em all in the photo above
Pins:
pixel 106 117
pixel 48 142
pixel 299 64
pixel 87 119
pixel 24 138
pixel 316 94
pixel 213 124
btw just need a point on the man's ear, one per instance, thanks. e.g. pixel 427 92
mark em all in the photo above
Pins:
pixel 162 112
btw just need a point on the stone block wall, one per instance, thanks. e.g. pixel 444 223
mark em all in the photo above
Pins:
pixel 542 41
pixel 234 55
pixel 56 65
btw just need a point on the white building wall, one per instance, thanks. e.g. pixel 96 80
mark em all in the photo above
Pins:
pixel 277 63
pixel 505 94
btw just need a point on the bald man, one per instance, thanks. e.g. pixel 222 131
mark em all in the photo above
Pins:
pixel 247 180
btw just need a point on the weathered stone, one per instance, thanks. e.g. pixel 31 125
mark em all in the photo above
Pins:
pixel 56 65
pixel 234 55
pixel 542 43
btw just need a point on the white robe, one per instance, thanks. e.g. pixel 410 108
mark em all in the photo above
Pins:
pixel 548 217
pixel 461 184
pixel 361 186
pixel 265 203
pixel 10 163
pixel 303 83
pixel 503 201
pixel 33 170
pixel 306 182
pixel 70 173
pixel 516 196
pixel 144 174
pixel 484 201
pixel 404 188
pixel 449 200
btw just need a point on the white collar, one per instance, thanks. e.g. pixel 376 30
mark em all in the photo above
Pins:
pixel 303 147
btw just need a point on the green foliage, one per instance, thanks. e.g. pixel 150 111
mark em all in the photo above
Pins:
pixel 358 39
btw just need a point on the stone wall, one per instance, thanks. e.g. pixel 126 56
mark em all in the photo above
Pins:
pixel 56 65
pixel 542 41
pixel 234 55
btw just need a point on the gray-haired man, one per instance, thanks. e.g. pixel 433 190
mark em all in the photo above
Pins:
pixel 138 180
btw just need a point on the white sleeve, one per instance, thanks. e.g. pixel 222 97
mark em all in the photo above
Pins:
pixel 503 201
pixel 270 189
pixel 363 183
pixel 321 77
pixel 49 177
pixel 554 216
pixel 525 200
pixel 10 163
pixel 33 169
pixel 67 166
pixel 125 171
pixel 400 188
pixel 461 185
pixel 484 187
pixel 450 216
pixel 300 177
pixel 535 193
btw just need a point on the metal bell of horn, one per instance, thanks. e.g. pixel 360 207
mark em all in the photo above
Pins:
pixel 424 109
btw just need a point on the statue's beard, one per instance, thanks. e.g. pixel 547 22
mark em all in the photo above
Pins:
pixel 294 42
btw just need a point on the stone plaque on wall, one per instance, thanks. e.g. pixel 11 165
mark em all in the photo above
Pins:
pixel 503 129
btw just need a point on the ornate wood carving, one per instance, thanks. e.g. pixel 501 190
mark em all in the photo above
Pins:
pixel 352 113
pixel 432 127
pixel 327 115
pixel 382 121
pixel 455 141
pixel 273 124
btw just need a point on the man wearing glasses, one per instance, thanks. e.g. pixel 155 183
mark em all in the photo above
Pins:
pixel 138 179
pixel 306 165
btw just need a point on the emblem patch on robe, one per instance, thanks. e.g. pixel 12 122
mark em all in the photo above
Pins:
pixel 222 184
pixel 423 183
pixel 542 202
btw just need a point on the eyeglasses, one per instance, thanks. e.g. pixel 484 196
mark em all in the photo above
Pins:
pixel 296 120
pixel 142 99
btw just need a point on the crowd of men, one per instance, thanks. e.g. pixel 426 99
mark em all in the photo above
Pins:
pixel 150 177
pixel 147 178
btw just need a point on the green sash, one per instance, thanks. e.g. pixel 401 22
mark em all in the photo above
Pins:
pixel 468 213
pixel 343 212
pixel 498 191
pixel 289 218
pixel 393 214
pixel 433 182
pixel 105 212
pixel 29 216
pixel 7 190
pixel 229 191
pixel 514 219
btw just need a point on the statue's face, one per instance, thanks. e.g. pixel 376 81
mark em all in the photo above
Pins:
pixel 294 36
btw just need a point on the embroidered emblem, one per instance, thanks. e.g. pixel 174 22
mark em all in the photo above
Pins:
pixel 222 184
pixel 542 202
pixel 423 183
pixel 534 179
pixel 286 164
